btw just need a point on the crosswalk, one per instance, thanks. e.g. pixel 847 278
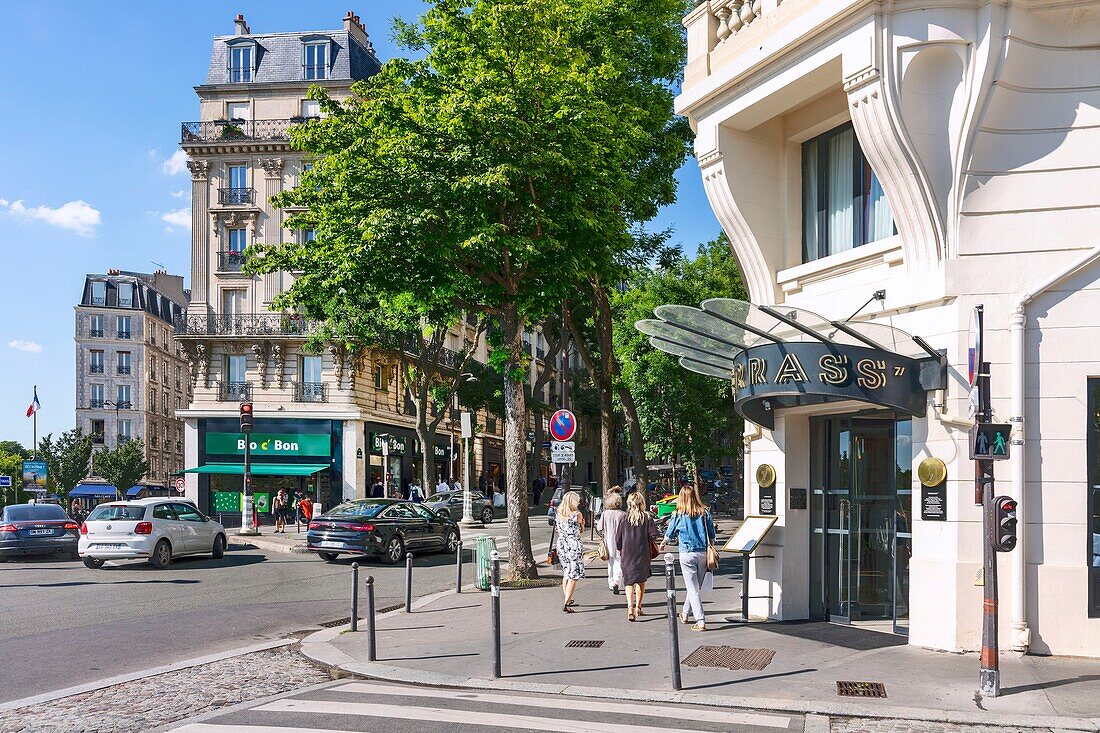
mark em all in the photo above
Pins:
pixel 344 707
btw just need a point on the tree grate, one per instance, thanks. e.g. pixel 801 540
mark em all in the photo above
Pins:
pixel 861 689
pixel 730 657
pixel 584 644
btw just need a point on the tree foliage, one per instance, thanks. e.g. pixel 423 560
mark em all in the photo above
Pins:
pixel 124 466
pixel 67 458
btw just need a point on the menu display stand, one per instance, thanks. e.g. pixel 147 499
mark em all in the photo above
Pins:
pixel 745 541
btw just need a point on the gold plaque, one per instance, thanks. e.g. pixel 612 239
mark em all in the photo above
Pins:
pixel 765 475
pixel 931 471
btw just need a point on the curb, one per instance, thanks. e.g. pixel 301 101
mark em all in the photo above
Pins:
pixel 318 647
pixel 264 544
pixel 120 679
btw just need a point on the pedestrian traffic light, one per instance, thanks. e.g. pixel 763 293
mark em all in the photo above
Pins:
pixel 246 417
pixel 1004 525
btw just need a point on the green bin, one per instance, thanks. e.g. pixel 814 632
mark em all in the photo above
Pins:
pixel 484 548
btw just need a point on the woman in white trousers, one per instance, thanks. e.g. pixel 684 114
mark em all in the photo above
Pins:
pixel 607 525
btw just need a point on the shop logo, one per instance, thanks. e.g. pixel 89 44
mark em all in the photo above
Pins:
pixel 272 446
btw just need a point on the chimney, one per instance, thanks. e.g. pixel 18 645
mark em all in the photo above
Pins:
pixel 356 29
pixel 242 27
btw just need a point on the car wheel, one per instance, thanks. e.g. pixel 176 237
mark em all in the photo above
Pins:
pixel 450 542
pixel 487 516
pixel 219 547
pixel 162 555
pixel 93 562
pixel 395 551
pixel 327 556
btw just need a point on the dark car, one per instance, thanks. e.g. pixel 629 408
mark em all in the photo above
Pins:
pixel 384 528
pixel 449 504
pixel 552 507
pixel 37 529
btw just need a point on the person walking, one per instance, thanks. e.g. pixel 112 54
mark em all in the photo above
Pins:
pixel 280 507
pixel 570 523
pixel 635 540
pixel 693 526
pixel 608 527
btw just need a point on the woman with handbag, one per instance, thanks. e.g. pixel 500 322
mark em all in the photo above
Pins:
pixel 607 526
pixel 569 523
pixel 693 526
pixel 635 541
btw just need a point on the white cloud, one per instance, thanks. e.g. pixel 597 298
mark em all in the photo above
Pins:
pixel 77 216
pixel 174 165
pixel 30 346
pixel 178 218
pixel 179 194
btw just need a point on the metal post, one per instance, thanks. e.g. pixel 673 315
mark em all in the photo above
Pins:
pixel 458 568
pixel 673 630
pixel 990 675
pixel 494 606
pixel 247 527
pixel 408 582
pixel 355 596
pixel 371 651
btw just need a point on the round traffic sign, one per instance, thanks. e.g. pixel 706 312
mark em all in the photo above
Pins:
pixel 181 485
pixel 563 425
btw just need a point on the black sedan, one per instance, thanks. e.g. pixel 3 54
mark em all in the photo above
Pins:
pixel 384 528
pixel 37 529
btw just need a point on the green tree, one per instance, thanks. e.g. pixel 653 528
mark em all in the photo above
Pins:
pixel 11 464
pixel 13 447
pixel 495 173
pixel 124 466
pixel 73 459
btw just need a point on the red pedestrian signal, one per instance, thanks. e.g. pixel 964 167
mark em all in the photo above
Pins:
pixel 246 417
pixel 1004 524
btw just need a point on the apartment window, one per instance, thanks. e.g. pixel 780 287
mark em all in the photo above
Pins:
pixel 179 406
pixel 179 375
pixel 152 434
pixel 95 326
pixel 233 302
pixel 311 369
pixel 99 293
pixel 124 431
pixel 97 362
pixel 125 295
pixel 311 108
pixel 165 372
pixel 238 240
pixel 236 366
pixel 124 362
pixel 313 61
pixel 238 110
pixel 153 369
pixel 381 378
pixel 152 400
pixel 309 235
pixel 240 64
pixel 97 432
pixel 167 406
pixel 1093 453
pixel 843 204
pixel 124 327
pixel 164 343
pixel 97 397
pixel 491 425
pixel 238 191
pixel 123 401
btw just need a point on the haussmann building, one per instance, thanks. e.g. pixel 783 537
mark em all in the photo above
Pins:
pixel 881 168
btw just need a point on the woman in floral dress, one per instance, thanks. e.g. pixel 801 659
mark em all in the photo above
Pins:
pixel 570 524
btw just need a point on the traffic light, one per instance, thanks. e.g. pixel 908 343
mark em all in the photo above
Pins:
pixel 1004 525
pixel 246 417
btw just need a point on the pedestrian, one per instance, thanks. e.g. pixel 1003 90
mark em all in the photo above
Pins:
pixel 635 540
pixel 416 491
pixel 482 483
pixel 443 486
pixel 305 508
pixel 280 507
pixel 457 485
pixel 608 527
pixel 299 505
pixel 377 490
pixel 570 524
pixel 693 526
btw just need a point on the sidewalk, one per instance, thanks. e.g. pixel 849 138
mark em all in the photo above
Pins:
pixel 633 662
pixel 288 542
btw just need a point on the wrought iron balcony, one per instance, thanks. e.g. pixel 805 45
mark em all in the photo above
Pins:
pixel 246 324
pixel 123 439
pixel 95 405
pixel 224 131
pixel 96 333
pixel 310 392
pixel 235 391
pixel 236 195
pixel 97 438
pixel 123 369
pixel 124 334
pixel 448 358
pixel 95 369
pixel 99 301
pixel 230 261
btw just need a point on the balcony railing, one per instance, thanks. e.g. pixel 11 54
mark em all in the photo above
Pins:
pixel 99 301
pixel 97 438
pixel 236 195
pixel 448 358
pixel 220 131
pixel 246 324
pixel 95 369
pixel 230 261
pixel 310 392
pixel 123 439
pixel 124 334
pixel 96 333
pixel 95 404
pixel 123 369
pixel 235 391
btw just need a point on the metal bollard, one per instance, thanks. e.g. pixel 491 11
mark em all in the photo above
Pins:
pixel 673 630
pixel 458 568
pixel 494 606
pixel 408 582
pixel 355 596
pixel 370 619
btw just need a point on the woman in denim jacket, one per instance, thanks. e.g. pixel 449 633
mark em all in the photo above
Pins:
pixel 693 525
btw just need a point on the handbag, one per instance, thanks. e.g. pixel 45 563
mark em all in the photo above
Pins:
pixel 712 557
pixel 601 550
pixel 654 551
pixel 552 553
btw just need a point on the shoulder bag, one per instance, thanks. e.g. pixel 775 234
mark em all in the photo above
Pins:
pixel 552 553
pixel 712 551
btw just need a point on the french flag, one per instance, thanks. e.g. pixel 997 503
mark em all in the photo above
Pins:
pixel 35 404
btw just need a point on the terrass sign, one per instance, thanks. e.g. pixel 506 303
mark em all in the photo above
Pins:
pixel 269 444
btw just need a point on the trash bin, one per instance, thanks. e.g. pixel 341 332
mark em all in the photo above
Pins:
pixel 484 548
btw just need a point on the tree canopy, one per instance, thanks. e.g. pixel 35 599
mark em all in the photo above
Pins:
pixel 124 466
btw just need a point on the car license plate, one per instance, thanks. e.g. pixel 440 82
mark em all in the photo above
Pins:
pixel 331 544
pixel 41 531
pixel 110 547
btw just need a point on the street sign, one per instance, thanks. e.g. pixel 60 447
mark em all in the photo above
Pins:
pixel 989 441
pixel 563 452
pixel 181 485
pixel 467 425
pixel 563 425
pixel 5 482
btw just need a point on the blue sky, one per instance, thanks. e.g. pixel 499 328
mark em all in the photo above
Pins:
pixel 87 180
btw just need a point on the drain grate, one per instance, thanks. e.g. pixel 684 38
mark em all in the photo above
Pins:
pixel 730 657
pixel 387 609
pixel 861 689
pixel 338 622
pixel 584 644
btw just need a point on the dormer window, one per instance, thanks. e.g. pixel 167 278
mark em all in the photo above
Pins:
pixel 311 108
pixel 242 60
pixel 315 61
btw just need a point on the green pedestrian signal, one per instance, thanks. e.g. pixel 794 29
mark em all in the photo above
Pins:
pixel 990 441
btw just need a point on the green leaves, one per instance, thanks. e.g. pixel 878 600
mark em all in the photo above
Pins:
pixel 122 467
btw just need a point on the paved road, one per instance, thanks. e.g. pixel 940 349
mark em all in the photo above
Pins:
pixel 66 625
pixel 385 708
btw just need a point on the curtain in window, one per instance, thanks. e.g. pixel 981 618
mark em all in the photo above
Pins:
pixel 840 214
pixel 880 218
pixel 811 244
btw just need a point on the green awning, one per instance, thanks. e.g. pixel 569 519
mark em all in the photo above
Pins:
pixel 261 469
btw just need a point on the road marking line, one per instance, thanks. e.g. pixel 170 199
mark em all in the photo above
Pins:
pixel 608 706
pixel 215 728
pixel 443 715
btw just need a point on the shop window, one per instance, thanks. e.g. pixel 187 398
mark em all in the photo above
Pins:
pixel 843 204
pixel 1093 458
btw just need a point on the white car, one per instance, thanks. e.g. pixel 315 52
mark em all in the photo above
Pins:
pixel 156 529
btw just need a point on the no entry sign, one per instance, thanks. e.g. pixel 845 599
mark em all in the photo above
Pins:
pixel 563 425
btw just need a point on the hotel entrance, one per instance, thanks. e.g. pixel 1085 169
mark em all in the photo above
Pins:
pixel 861 481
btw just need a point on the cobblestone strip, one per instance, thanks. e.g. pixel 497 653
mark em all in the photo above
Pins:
pixel 152 701
pixel 875 725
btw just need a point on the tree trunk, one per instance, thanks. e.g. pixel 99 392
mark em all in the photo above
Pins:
pixel 427 441
pixel 637 443
pixel 515 456
pixel 607 433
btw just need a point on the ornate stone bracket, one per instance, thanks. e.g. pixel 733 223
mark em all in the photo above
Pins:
pixel 273 167
pixel 338 358
pixel 280 363
pixel 200 169
pixel 203 360
pixel 260 350
pixel 234 219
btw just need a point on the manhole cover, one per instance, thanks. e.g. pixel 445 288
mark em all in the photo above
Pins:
pixel 584 644
pixel 860 689
pixel 730 657
pixel 338 622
